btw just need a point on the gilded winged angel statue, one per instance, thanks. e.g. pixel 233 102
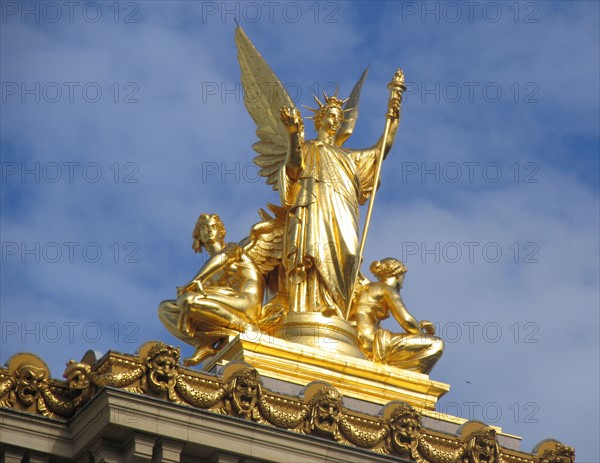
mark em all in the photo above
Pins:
pixel 321 184
pixel 301 266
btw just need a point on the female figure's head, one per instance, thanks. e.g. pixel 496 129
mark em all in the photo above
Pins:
pixel 208 232
pixel 390 271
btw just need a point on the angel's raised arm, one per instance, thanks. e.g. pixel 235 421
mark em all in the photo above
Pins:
pixel 294 161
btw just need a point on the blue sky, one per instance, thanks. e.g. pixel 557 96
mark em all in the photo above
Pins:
pixel 121 122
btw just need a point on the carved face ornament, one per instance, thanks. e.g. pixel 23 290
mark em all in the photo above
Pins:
pixel 30 380
pixel 484 448
pixel 77 375
pixel 561 454
pixel 405 430
pixel 163 371
pixel 245 393
pixel 326 411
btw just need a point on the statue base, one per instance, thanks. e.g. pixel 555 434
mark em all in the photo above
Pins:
pixel 329 334
pixel 352 375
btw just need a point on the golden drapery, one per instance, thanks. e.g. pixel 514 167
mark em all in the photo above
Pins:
pixel 323 222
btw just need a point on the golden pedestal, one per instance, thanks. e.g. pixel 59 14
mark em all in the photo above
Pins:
pixel 352 375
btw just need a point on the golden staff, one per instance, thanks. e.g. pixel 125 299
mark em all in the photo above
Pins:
pixel 396 87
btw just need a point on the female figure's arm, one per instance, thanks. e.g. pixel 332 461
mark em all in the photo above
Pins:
pixel 214 264
pixel 394 302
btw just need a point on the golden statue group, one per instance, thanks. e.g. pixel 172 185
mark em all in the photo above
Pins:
pixel 287 304
pixel 300 263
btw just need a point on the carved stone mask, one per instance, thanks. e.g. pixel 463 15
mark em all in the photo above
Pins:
pixel 163 366
pixel 483 448
pixel 30 380
pixel 560 454
pixel 326 410
pixel 245 390
pixel 77 375
pixel 406 428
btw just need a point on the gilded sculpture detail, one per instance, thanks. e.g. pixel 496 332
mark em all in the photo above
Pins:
pixel 407 438
pixel 301 265
pixel 405 424
pixel 26 386
pixel 552 451
pixel 418 349
pixel 162 365
pixel 225 296
pixel 325 409
pixel 242 391
pixel 482 446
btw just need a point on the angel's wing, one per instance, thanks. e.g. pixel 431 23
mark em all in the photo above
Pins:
pixel 264 97
pixel 351 111
pixel 265 243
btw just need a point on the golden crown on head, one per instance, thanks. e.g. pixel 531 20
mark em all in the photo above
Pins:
pixel 330 102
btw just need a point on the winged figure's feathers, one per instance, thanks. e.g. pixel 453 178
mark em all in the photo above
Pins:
pixel 264 98
pixel 351 111
pixel 265 243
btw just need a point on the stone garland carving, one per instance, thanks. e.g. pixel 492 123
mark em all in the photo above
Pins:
pixel 25 385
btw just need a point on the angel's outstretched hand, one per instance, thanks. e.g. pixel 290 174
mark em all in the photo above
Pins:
pixel 292 120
